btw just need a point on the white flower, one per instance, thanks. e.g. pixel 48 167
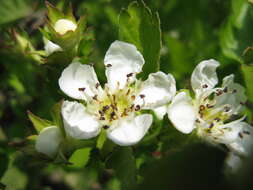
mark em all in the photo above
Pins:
pixel 116 106
pixel 62 26
pixel 48 141
pixel 51 47
pixel 215 113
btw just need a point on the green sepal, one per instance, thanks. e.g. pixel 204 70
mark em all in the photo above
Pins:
pixel 25 46
pixel 38 122
pixel 54 14
pixel 57 117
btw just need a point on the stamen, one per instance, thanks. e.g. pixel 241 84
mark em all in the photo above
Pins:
pixel 102 118
pixel 240 135
pixel 225 89
pixel 81 89
pixel 108 65
pixel 106 126
pixel 142 96
pixel 205 86
pixel 112 115
pixel 137 107
pixel 219 92
pixel 227 108
pixel 209 106
pixel 133 97
pixel 101 113
pixel 201 107
pixel 95 97
pixel 105 108
pixel 129 75
pixel 97 85
pixel 128 91
pixel 234 91
pixel 246 132
pixel 211 126
pixel 217 119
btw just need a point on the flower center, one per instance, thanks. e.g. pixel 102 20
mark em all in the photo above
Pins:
pixel 213 112
pixel 109 107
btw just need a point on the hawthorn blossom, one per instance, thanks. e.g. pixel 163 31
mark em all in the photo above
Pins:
pixel 115 107
pixel 61 26
pixel 214 113
pixel 48 141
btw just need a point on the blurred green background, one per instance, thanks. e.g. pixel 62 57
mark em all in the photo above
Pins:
pixel 192 30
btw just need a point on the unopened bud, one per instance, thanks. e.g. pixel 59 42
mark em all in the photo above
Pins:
pixel 48 141
pixel 64 25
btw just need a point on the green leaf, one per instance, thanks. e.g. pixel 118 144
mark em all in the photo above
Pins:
pixel 139 26
pixel 123 162
pixel 231 31
pixel 38 122
pixel 79 158
pixel 247 70
pixel 248 78
pixel 12 10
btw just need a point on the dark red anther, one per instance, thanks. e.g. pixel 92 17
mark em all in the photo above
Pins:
pixel 81 89
pixel 130 74
pixel 137 107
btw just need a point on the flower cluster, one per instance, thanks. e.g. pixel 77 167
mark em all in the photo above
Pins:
pixel 215 114
pixel 124 107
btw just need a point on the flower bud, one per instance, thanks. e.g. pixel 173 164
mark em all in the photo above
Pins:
pixel 48 141
pixel 64 25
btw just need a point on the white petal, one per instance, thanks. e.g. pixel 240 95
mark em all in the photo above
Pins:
pixel 229 132
pixel 158 90
pixel 160 112
pixel 204 76
pixel 64 25
pixel 77 122
pixel 235 95
pixel 79 81
pixel 122 59
pixel 182 113
pixel 244 142
pixel 131 130
pixel 51 47
pixel 48 141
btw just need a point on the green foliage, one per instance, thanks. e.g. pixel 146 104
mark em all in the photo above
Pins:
pixel 192 31
pixel 230 34
pixel 12 10
pixel 79 158
pixel 247 70
pixel 123 162
pixel 139 26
